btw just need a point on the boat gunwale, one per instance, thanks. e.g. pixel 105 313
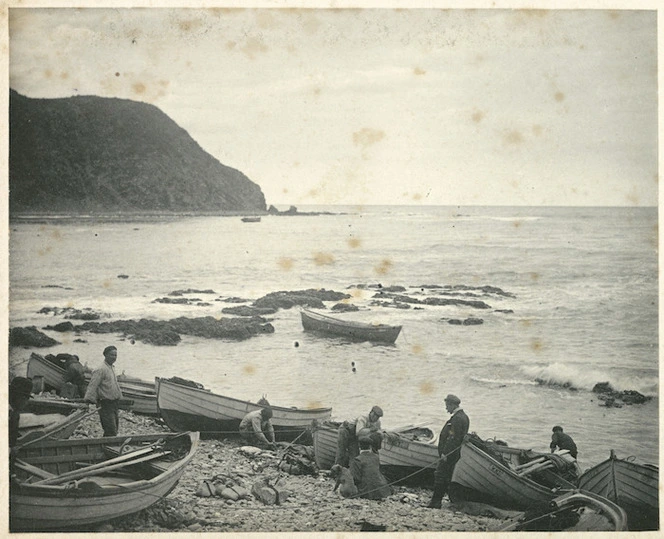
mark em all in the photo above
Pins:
pixel 312 411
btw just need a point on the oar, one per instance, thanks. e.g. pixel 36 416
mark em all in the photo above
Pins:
pixel 33 469
pixel 537 467
pixel 86 472
pixel 522 467
pixel 121 458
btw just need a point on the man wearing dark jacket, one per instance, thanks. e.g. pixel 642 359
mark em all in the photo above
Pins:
pixel 449 443
pixel 562 441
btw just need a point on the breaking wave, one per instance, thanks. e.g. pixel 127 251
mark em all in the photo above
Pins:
pixel 577 377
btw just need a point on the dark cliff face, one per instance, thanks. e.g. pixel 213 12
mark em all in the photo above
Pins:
pixel 88 154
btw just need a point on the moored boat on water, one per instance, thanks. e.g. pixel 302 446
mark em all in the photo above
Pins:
pixel 186 405
pixel 141 393
pixel 633 486
pixel 254 219
pixel 509 477
pixel 573 511
pixel 72 484
pixel 356 331
pixel 407 455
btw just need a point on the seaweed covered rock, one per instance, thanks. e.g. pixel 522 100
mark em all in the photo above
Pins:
pixel 247 310
pixel 168 333
pixel 304 298
pixel 30 337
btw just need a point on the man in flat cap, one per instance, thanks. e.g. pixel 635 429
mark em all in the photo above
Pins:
pixel 449 444
pixel 104 391
pixel 349 432
pixel 20 391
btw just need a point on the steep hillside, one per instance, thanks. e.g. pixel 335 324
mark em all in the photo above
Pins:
pixel 93 154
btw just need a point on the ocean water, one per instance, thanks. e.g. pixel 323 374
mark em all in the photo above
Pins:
pixel 580 306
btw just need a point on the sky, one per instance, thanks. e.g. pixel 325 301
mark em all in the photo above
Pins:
pixel 378 106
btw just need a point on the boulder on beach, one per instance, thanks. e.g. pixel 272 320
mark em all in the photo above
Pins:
pixel 30 337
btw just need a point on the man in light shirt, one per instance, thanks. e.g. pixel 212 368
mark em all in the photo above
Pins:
pixel 104 391
pixel 350 431
pixel 256 428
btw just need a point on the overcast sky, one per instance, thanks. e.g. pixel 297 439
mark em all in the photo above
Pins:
pixel 378 106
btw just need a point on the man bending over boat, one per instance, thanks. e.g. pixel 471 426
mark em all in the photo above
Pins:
pixel 105 391
pixel 449 448
pixel 349 432
pixel 256 428
pixel 562 441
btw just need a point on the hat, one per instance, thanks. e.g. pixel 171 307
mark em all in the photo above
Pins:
pixel 453 399
pixel 557 427
pixel 378 411
pixel 20 386
pixel 364 440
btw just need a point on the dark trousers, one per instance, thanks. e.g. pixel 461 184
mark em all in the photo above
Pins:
pixel 442 476
pixel 108 414
pixel 347 445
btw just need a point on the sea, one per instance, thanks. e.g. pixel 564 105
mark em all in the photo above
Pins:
pixel 572 295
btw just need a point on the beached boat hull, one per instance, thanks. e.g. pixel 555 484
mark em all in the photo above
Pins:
pixel 141 393
pixel 69 418
pixel 402 459
pixel 635 487
pixel 75 506
pixel 356 331
pixel 493 482
pixel 573 512
pixel 184 408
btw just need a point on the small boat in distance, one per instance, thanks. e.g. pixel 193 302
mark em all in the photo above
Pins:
pixel 251 219
pixel 74 484
pixel 187 405
pixel 355 331
pixel 631 485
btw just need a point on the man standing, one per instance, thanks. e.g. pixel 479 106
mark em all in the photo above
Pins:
pixel 349 432
pixel 449 444
pixel 256 428
pixel 562 441
pixel 104 390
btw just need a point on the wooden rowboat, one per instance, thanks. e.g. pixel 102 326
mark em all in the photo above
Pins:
pixel 141 393
pixel 74 484
pixel 486 472
pixel 631 485
pixel 185 407
pixel 356 331
pixel 251 219
pixel 408 455
pixel 49 418
pixel 573 512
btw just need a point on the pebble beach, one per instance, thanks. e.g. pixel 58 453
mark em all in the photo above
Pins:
pixel 311 504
